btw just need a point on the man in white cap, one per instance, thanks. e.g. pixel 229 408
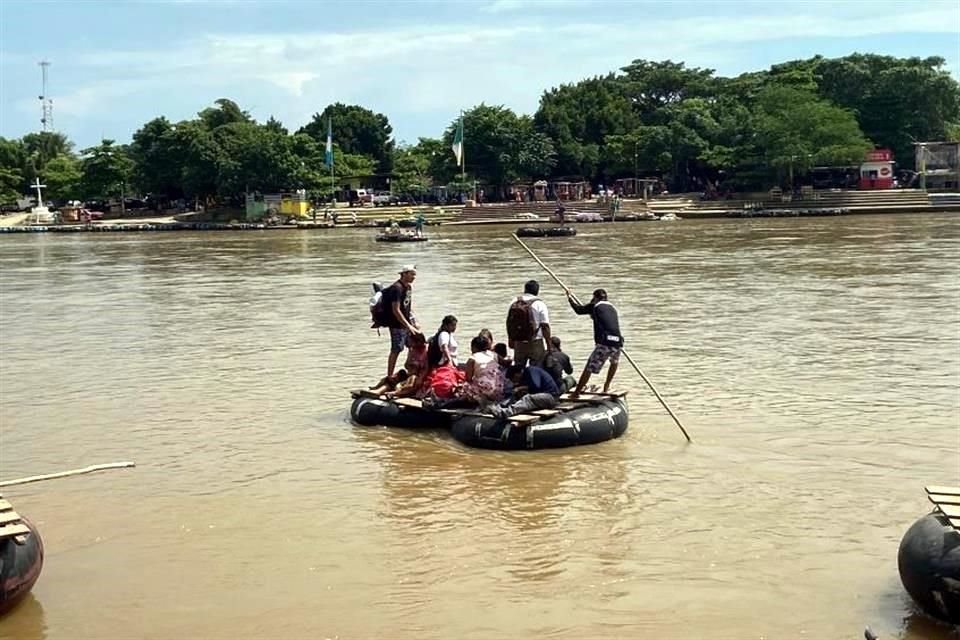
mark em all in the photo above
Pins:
pixel 397 299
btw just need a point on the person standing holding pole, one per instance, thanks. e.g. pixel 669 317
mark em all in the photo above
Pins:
pixel 606 335
pixel 626 355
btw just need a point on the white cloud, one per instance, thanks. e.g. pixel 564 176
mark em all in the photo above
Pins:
pixel 507 6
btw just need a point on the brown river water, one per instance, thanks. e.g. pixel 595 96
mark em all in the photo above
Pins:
pixel 814 361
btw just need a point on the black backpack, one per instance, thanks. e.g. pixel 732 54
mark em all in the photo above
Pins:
pixel 434 355
pixel 521 325
pixel 381 312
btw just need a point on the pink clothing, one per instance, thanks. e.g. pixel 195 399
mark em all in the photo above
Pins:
pixel 488 379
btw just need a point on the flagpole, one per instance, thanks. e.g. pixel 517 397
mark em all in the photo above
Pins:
pixel 463 152
pixel 333 180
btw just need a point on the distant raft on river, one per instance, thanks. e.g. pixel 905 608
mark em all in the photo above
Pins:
pixel 591 418
pixel 404 236
pixel 548 232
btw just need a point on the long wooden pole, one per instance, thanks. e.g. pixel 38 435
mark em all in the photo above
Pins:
pixel 64 474
pixel 625 354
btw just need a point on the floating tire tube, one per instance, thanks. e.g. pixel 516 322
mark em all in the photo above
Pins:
pixel 529 232
pixel 556 232
pixel 929 563
pixel 372 412
pixel 598 422
pixel 21 559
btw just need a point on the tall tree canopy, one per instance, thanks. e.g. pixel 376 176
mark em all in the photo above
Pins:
pixel 685 125
pixel 356 130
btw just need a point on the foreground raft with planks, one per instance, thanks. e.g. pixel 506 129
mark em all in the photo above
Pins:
pixel 588 419
pixel 21 556
pixel 929 556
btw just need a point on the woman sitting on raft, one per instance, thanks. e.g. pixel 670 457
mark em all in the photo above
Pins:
pixel 409 381
pixel 484 378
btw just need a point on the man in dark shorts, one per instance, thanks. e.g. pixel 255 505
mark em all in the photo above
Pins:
pixel 606 335
pixel 397 299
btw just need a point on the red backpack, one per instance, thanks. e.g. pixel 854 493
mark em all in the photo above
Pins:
pixel 521 324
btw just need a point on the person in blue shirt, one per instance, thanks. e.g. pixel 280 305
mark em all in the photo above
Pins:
pixel 532 380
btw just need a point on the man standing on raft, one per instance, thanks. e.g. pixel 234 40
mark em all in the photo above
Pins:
pixel 397 300
pixel 606 335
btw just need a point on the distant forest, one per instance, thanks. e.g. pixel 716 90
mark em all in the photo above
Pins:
pixel 686 126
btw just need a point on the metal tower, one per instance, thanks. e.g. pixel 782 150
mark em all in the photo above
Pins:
pixel 46 104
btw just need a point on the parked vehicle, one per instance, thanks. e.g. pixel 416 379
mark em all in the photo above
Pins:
pixel 385 199
pixel 359 197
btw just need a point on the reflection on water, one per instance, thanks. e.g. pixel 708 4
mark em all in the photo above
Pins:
pixel 815 362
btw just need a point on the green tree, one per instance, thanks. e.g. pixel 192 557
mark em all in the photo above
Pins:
pixel 276 126
pixel 252 157
pixel 500 147
pixel 105 169
pixel 897 101
pixel 226 112
pixel 198 156
pixel 356 130
pixel 579 117
pixel 158 159
pixel 794 129
pixel 650 86
pixel 62 175
pixel 12 161
pixel 411 166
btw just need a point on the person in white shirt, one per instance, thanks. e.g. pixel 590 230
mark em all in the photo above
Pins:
pixel 528 326
pixel 446 341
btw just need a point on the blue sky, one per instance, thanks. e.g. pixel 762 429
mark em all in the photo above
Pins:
pixel 118 64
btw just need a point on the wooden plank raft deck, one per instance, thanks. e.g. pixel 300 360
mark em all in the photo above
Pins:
pixel 11 524
pixel 566 404
pixel 947 502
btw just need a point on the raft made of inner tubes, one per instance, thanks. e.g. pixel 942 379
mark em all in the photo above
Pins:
pixel 400 237
pixel 549 232
pixel 371 411
pixel 929 557
pixel 600 418
pixel 21 557
pixel 593 417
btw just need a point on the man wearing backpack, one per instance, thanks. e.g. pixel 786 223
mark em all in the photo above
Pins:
pixel 396 312
pixel 528 326
pixel 606 335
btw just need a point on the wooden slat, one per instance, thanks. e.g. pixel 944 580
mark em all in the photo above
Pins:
pixel 949 491
pixel 9 516
pixel 939 498
pixel 5 506
pixel 545 413
pixel 11 530
pixel 413 403
pixel 524 418
pixel 954 522
pixel 949 510
pixel 567 406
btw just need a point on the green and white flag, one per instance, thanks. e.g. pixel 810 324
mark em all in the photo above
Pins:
pixel 457 145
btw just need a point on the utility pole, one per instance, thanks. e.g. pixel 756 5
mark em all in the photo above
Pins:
pixel 46 104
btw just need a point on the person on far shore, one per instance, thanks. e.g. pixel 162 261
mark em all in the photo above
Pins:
pixel 606 335
pixel 398 298
pixel 420 220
